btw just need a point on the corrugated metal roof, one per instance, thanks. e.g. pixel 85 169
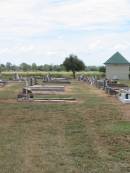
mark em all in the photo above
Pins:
pixel 117 58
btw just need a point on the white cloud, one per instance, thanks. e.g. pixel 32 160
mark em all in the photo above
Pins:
pixel 89 12
pixel 44 29
pixel 34 16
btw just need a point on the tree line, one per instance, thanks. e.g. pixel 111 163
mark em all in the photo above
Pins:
pixel 33 67
pixel 71 63
pixel 46 67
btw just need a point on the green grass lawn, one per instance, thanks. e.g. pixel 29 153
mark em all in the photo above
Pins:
pixel 127 82
pixel 85 137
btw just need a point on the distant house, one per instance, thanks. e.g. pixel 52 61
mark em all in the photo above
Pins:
pixel 117 67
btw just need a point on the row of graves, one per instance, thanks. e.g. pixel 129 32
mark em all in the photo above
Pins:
pixel 15 78
pixel 111 87
pixel 2 82
pixel 49 79
pixel 41 90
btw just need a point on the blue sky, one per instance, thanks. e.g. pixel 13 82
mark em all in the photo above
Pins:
pixel 47 31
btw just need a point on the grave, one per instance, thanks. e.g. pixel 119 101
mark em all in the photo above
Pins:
pixel 57 80
pixel 2 83
pixel 100 84
pixel 28 95
pixel 114 88
pixel 42 89
pixel 124 96
pixel 32 92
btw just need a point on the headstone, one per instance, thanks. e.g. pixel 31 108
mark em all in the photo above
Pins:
pixel 31 82
pixel 35 81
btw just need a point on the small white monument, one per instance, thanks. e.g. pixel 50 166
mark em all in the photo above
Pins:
pixel 124 96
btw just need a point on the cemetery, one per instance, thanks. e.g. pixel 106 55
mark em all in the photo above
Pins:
pixel 111 87
pixel 38 88
pixel 65 86
pixel 78 118
pixel 62 122
pixel 53 126
pixel 111 84
pixel 38 93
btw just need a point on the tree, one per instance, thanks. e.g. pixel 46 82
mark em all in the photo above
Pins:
pixel 72 63
pixel 47 67
pixel 8 66
pixel 2 67
pixel 58 67
pixel 40 68
pixel 14 68
pixel 34 67
pixel 25 67
pixel 92 68
pixel 102 69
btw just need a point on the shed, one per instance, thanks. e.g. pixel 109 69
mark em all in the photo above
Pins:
pixel 117 67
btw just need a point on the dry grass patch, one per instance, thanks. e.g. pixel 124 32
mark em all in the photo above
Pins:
pixel 88 137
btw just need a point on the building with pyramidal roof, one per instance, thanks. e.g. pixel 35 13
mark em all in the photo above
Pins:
pixel 117 67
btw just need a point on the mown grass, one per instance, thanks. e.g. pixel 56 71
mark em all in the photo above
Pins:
pixel 127 82
pixel 86 137
pixel 10 91
pixel 120 128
